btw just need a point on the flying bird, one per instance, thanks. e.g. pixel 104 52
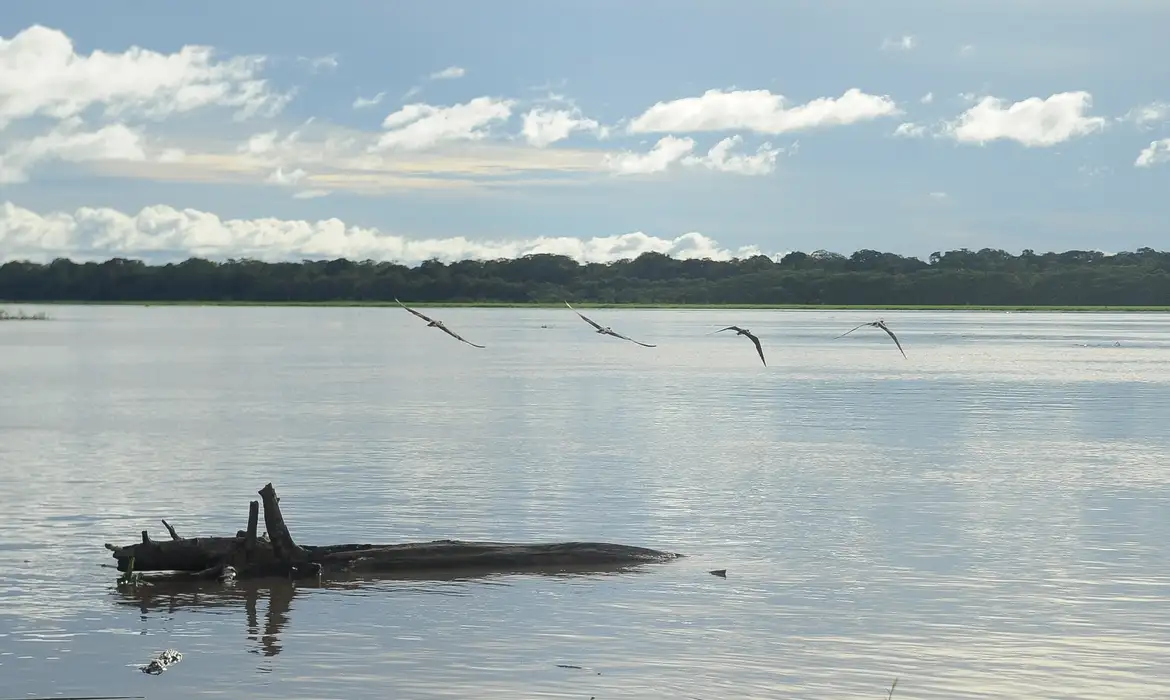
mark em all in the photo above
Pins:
pixel 437 324
pixel 606 330
pixel 750 336
pixel 881 325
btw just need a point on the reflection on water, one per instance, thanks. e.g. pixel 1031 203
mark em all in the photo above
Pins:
pixel 171 597
pixel 982 519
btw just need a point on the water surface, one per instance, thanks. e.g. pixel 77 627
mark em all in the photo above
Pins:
pixel 983 519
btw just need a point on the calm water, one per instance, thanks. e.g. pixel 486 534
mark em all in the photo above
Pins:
pixel 986 519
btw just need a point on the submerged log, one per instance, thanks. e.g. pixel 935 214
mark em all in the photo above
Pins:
pixel 278 555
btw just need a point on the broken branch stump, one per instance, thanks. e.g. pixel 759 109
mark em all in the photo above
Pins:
pixel 282 541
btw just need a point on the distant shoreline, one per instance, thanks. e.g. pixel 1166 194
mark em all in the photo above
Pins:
pixel 600 305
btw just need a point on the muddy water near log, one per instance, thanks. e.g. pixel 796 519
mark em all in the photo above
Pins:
pixel 985 519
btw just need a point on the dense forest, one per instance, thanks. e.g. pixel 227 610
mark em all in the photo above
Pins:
pixel 867 277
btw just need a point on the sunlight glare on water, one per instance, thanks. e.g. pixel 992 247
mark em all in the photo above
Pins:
pixel 982 519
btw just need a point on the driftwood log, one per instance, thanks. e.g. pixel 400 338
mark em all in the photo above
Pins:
pixel 249 556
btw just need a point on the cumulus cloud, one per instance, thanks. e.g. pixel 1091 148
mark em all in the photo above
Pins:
pixel 42 75
pixel 1033 122
pixel 70 142
pixel 910 130
pixel 163 233
pixel 280 177
pixel 1146 115
pixel 721 158
pixel 1157 152
pixel 322 63
pixel 670 150
pixel 449 73
pixel 420 125
pixel 904 43
pixel 361 102
pixel 543 127
pixel 760 111
pixel 927 98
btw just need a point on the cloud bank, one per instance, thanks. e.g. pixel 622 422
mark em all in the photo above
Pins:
pixel 163 234
pixel 106 113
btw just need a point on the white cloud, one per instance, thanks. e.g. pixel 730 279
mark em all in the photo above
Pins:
pixel 543 127
pixel 721 159
pixel 927 98
pixel 1033 122
pixel 966 49
pixel 163 233
pixel 279 177
pixel 760 111
pixel 904 43
pixel 1157 152
pixel 361 102
pixel 938 195
pixel 1149 114
pixel 293 178
pixel 668 151
pixel 70 143
pixel 910 130
pixel 418 126
pixel 449 73
pixel 41 74
pixel 316 65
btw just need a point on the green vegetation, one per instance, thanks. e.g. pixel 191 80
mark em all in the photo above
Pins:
pixel 985 279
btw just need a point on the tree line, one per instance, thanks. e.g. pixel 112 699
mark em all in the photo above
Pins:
pixel 867 277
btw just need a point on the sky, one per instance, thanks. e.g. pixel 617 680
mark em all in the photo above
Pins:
pixel 599 130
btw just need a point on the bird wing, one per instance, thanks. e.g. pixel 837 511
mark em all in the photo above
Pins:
pixel 587 319
pixel 424 317
pixel 729 328
pixel 759 349
pixel 887 330
pixel 619 335
pixel 853 329
pixel 455 335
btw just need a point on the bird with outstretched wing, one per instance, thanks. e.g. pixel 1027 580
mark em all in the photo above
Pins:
pixel 750 336
pixel 877 324
pixel 605 330
pixel 432 323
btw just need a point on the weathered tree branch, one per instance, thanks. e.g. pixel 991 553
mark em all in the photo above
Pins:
pixel 278 555
pixel 174 535
pixel 250 534
pixel 282 542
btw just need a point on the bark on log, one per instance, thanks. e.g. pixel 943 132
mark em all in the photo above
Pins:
pixel 174 535
pixel 203 558
pixel 282 542
pixel 250 533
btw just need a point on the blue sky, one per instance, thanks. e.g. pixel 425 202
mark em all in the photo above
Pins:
pixel 599 130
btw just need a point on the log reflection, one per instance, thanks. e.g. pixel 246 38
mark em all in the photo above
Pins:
pixel 172 597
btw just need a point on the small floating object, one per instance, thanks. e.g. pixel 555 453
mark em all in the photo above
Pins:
pixel 722 573
pixel 579 668
pixel 164 660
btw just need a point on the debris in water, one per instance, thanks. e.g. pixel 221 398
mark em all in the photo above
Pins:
pixel 720 572
pixel 579 668
pixel 162 662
